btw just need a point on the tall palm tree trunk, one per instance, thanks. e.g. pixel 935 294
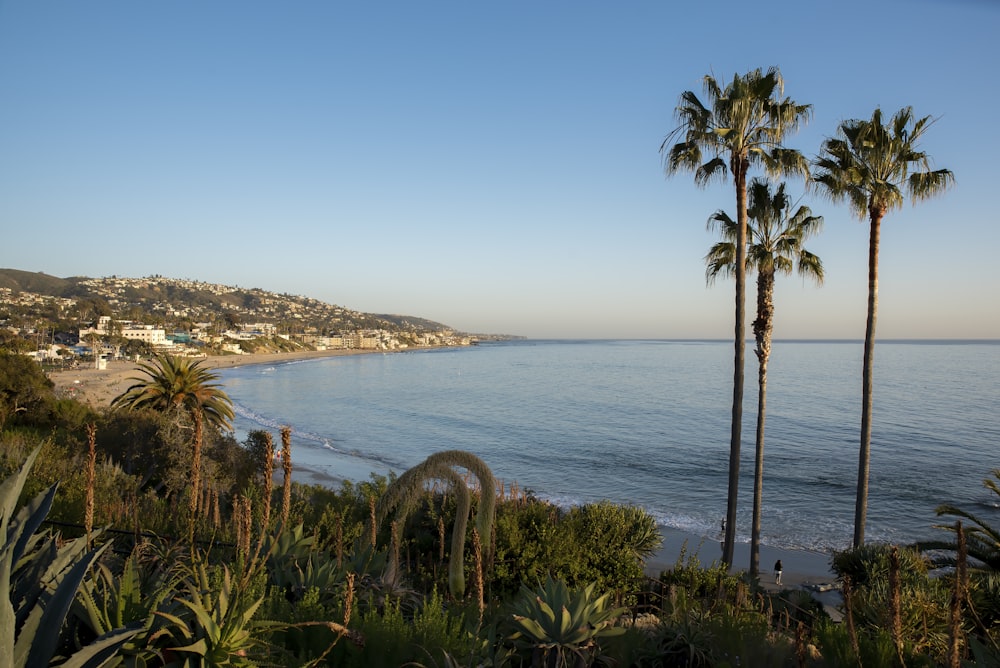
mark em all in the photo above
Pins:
pixel 864 452
pixel 762 329
pixel 739 168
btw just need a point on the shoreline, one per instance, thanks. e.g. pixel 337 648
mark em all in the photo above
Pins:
pixel 802 569
pixel 98 387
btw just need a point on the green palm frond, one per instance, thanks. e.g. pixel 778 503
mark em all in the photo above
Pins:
pixel 775 235
pixel 175 382
pixel 873 165
pixel 745 121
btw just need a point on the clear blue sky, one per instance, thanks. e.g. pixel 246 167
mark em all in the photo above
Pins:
pixel 493 166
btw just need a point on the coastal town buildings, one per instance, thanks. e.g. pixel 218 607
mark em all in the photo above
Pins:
pixel 189 317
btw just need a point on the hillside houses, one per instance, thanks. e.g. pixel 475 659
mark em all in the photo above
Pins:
pixel 126 315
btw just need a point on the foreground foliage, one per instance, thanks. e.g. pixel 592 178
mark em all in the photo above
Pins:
pixel 335 585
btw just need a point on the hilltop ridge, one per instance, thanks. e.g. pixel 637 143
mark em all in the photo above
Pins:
pixel 32 303
pixel 158 297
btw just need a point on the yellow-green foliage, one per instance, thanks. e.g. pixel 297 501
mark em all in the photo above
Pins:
pixel 602 543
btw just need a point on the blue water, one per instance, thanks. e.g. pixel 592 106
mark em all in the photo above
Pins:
pixel 647 423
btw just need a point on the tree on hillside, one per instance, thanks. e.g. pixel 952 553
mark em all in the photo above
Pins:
pixel 774 236
pixel 872 165
pixel 24 387
pixel 738 127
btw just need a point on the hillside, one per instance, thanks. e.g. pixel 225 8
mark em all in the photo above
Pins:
pixel 172 301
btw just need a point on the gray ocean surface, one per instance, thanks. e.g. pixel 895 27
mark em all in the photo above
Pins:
pixel 648 423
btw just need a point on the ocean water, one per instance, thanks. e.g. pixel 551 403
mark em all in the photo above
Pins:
pixel 647 423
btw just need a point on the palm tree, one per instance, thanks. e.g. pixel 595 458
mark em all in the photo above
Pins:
pixel 775 237
pixel 175 383
pixel 742 126
pixel 982 537
pixel 872 165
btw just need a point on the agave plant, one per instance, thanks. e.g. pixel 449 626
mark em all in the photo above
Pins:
pixel 128 598
pixel 211 624
pixel 556 626
pixel 39 578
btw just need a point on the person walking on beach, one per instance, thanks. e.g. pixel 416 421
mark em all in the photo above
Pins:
pixel 777 572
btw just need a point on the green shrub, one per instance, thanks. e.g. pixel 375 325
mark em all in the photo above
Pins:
pixel 393 636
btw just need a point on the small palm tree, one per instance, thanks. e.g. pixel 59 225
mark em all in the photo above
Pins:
pixel 741 126
pixel 775 236
pixel 174 383
pixel 981 537
pixel 872 165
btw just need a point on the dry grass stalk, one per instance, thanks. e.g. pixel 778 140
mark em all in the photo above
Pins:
pixel 895 604
pixel 393 572
pixel 244 524
pixel 852 631
pixel 268 478
pixel 196 464
pixel 477 583
pixel 958 595
pixel 206 504
pixel 216 511
pixel 349 599
pixel 372 520
pixel 339 632
pixel 801 646
pixel 339 536
pixel 286 464
pixel 88 513
pixel 441 539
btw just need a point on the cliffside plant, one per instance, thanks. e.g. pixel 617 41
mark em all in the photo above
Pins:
pixel 554 626
pixel 210 623
pixel 404 492
pixel 125 597
pixel 39 578
pixel 982 539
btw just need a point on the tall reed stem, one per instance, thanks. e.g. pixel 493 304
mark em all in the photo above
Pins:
pixel 88 513
pixel 286 464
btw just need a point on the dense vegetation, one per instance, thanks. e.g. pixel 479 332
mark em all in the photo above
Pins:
pixel 126 570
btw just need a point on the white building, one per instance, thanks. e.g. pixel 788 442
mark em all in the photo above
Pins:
pixel 154 337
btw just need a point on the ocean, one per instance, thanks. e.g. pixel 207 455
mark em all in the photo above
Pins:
pixel 648 423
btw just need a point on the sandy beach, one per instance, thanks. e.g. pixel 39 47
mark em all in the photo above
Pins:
pixel 98 387
pixel 802 569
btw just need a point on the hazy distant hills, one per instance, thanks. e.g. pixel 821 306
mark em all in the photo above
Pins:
pixel 39 283
pixel 171 298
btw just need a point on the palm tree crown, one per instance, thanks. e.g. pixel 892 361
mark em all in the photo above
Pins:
pixel 871 164
pixel 741 125
pixel 174 382
pixel 774 237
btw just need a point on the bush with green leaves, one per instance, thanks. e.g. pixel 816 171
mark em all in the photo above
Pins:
pixel 399 632
pixel 600 542
pixel 924 601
